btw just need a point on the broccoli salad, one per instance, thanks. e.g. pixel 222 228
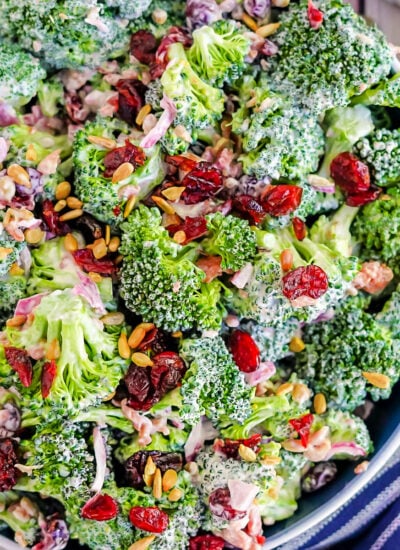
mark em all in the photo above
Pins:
pixel 199 265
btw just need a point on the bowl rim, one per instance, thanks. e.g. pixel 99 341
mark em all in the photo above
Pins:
pixel 332 505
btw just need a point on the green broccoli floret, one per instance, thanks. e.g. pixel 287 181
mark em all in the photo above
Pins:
pixel 10 251
pixel 26 527
pixel 88 367
pixel 380 150
pixel 102 198
pixel 272 343
pixel 231 238
pixel 386 94
pixel 377 230
pixel 172 10
pixel 129 9
pixel 389 314
pixel 20 75
pixel 344 126
pixel 339 351
pixel 218 52
pixel 12 289
pixel 334 232
pixel 173 143
pixel 51 96
pixel 213 385
pixel 324 67
pixel 159 279
pixel 280 140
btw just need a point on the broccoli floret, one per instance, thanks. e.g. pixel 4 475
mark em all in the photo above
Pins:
pixel 173 143
pixel 386 94
pixel 10 251
pixel 12 289
pixel 324 67
pixel 26 527
pixel 151 19
pixel 339 351
pixel 129 9
pixel 218 52
pixel 280 140
pixel 65 34
pixel 213 384
pixel 380 150
pixel 20 75
pixel 377 230
pixel 51 96
pixel 344 127
pixel 102 198
pixel 334 232
pixel 159 279
pixel 389 314
pixel 231 238
pixel 272 343
pixel 88 365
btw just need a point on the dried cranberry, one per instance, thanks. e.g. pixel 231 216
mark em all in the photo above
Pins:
pixel 364 197
pixel 174 34
pixel 167 371
pixel 206 542
pixel 350 173
pixel 100 508
pixel 220 505
pixel 201 183
pixel 89 226
pixel 180 161
pixel 194 228
pixel 250 208
pixel 49 372
pixel 302 426
pixel 131 94
pixel 156 340
pixel 244 350
pixel 141 392
pixel 86 260
pixel 52 219
pixel 21 363
pixel 310 281
pixel 150 519
pixel 143 46
pixel 315 16
pixel 127 153
pixel 299 228
pixel 8 459
pixel 135 465
pixel 280 200
pixel 230 447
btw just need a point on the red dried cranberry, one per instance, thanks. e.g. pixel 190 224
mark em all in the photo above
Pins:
pixel 302 426
pixel 230 447
pixel 180 161
pixel 116 210
pixel 52 219
pixel 143 46
pixel 86 260
pixel 174 34
pixel 250 208
pixel 135 465
pixel 350 173
pixel 206 542
pixel 150 519
pixel 280 200
pixel 220 505
pixel 310 281
pixel 194 228
pixel 127 153
pixel 49 372
pixel 141 393
pixel 156 340
pixel 299 228
pixel 201 183
pixel 244 350
pixel 21 363
pixel 315 16
pixel 131 94
pixel 8 459
pixel 363 198
pixel 100 508
pixel 167 371
pixel 75 109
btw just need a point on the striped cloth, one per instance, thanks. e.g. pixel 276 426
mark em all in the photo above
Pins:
pixel 369 521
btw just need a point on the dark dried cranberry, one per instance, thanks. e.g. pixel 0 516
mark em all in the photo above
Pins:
pixel 127 153
pixel 230 447
pixel 156 340
pixel 193 228
pixel 149 518
pixel 86 260
pixel 206 542
pixel 364 197
pixel 174 34
pixel 299 228
pixel 180 161
pixel 244 350
pixel 250 208
pixel 20 361
pixel 100 508
pixel 131 94
pixel 89 227
pixel 350 173
pixel 315 16
pixel 52 219
pixel 318 476
pixel 49 372
pixel 8 459
pixel 310 281
pixel 201 183
pixel 280 200
pixel 220 505
pixel 143 46
pixel 167 371
pixel 135 465
pixel 302 426
pixel 141 392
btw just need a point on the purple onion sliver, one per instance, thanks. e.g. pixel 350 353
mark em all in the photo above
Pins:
pixel 257 8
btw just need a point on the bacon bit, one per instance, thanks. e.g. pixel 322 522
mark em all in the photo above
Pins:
pixel 211 265
pixel 302 426
pixel 373 277
pixel 315 16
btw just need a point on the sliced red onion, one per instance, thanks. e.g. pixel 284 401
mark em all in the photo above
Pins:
pixel 100 454
pixel 54 534
pixel 25 260
pixel 164 122
pixel 321 184
pixel 194 210
pixel 89 290
pixel 242 494
pixel 203 431
pixel 27 305
pixel 202 12
pixel 348 448
pixel 257 8
pixel 8 115
pixel 264 372
pixel 3 149
pixel 243 276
